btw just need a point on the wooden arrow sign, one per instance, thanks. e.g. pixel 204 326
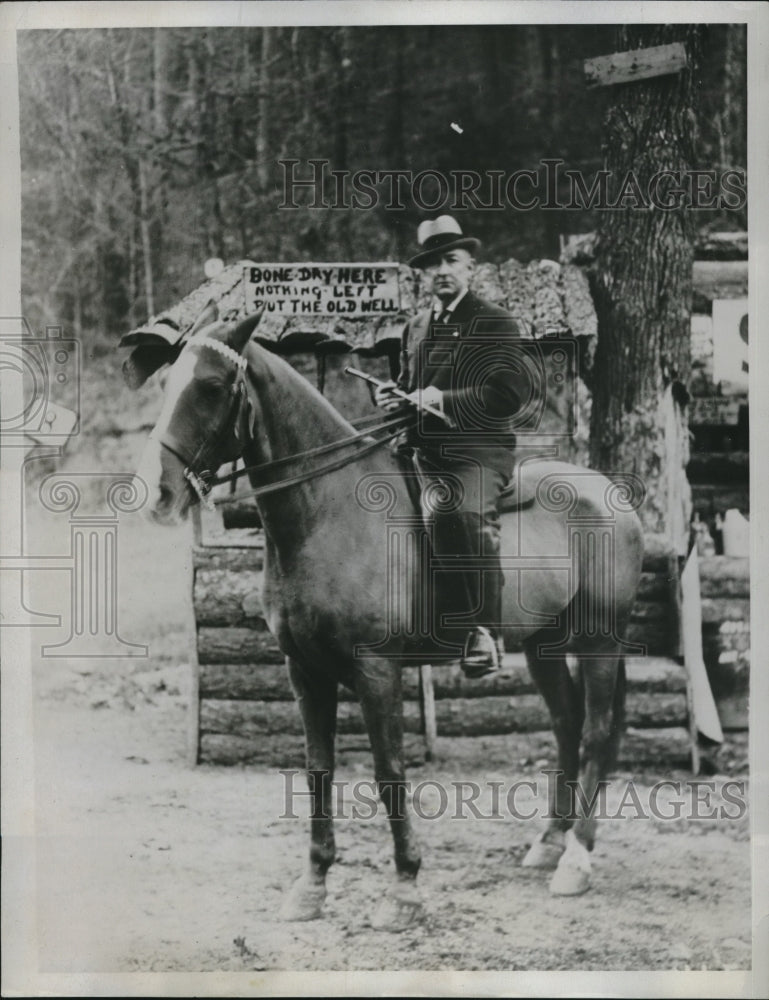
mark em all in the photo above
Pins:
pixel 638 64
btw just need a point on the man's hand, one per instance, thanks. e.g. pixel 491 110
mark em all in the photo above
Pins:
pixel 431 396
pixel 384 398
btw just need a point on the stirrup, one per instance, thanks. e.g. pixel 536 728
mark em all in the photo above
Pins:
pixel 481 654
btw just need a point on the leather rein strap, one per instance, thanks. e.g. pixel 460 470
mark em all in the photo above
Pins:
pixel 390 428
pixel 203 482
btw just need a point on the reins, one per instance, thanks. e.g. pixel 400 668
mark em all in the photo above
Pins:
pixel 203 482
pixel 390 428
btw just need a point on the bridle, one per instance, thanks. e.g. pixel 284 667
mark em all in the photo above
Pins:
pixel 200 478
pixel 373 434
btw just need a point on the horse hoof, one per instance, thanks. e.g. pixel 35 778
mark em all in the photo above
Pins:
pixel 304 902
pixel 398 911
pixel 543 854
pixel 569 881
pixel 572 876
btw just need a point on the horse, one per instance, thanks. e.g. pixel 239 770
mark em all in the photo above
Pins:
pixel 328 586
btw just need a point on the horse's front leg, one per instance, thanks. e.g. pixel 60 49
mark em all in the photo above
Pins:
pixel 317 699
pixel 378 684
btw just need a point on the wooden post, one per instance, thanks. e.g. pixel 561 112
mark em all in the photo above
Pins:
pixel 193 712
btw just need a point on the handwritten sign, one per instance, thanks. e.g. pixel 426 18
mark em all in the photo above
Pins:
pixel 352 291
pixel 637 64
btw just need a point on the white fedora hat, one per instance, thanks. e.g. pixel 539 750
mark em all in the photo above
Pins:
pixel 436 236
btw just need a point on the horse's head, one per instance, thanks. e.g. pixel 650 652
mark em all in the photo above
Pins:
pixel 202 423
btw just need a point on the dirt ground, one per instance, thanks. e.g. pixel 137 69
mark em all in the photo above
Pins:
pixel 145 863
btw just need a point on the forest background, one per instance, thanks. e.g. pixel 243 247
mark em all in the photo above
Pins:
pixel 146 152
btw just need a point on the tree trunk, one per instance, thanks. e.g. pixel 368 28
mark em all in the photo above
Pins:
pixel 733 118
pixel 262 125
pixel 132 281
pixel 643 288
pixel 144 226
pixel 395 135
pixel 552 220
pixel 196 77
pixel 340 47
pixel 159 80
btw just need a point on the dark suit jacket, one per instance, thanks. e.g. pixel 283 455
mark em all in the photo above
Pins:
pixel 475 363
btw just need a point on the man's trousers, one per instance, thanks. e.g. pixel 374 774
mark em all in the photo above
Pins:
pixel 459 506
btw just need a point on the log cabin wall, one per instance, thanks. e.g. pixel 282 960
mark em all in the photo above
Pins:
pixel 244 711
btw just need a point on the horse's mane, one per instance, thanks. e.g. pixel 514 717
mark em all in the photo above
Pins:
pixel 294 383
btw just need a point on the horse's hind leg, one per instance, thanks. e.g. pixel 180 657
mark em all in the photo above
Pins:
pixel 378 683
pixel 599 744
pixel 317 699
pixel 565 704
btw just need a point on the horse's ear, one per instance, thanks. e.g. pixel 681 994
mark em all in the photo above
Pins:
pixel 240 334
pixel 144 360
pixel 208 315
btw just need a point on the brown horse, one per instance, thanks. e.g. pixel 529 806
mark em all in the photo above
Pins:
pixel 572 551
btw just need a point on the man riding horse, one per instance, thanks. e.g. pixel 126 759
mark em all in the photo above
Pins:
pixel 459 357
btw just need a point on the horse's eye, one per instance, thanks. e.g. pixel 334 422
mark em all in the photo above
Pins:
pixel 210 388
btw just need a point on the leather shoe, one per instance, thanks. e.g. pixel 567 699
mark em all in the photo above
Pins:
pixel 481 654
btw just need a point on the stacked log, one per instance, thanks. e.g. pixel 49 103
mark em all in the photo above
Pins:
pixel 655 617
pixel 245 711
